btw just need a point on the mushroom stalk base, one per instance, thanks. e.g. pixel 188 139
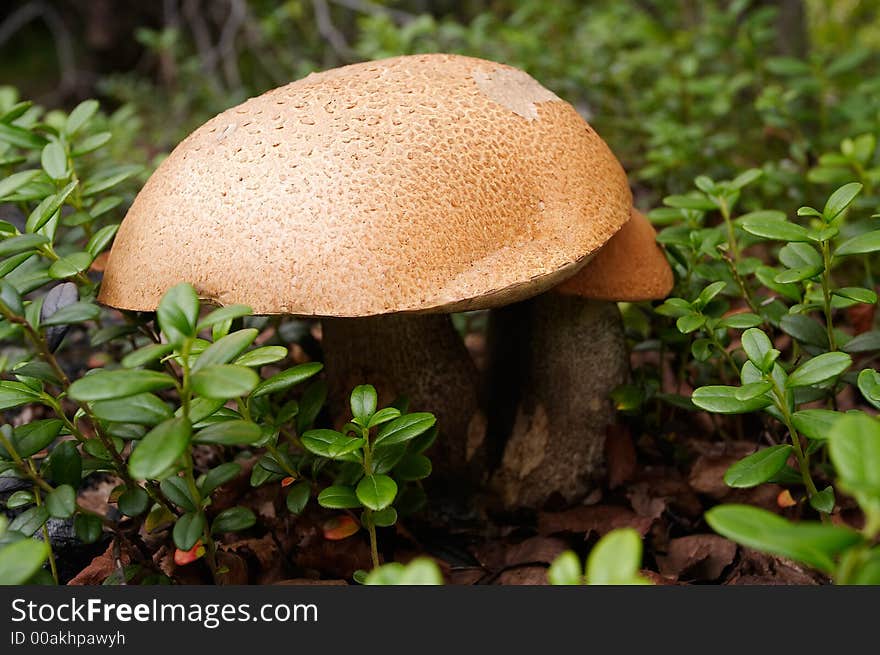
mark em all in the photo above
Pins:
pixel 420 356
pixel 554 361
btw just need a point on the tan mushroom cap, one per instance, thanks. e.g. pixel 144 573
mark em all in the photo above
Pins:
pixel 429 183
pixel 630 267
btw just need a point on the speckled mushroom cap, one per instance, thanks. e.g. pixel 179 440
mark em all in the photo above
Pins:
pixel 630 267
pixel 429 183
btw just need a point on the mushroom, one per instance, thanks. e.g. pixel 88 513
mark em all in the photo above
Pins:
pixel 554 360
pixel 380 197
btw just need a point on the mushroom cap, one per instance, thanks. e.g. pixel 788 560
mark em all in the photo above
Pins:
pixel 427 183
pixel 630 267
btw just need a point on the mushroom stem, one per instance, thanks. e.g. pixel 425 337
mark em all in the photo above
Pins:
pixel 554 360
pixel 422 357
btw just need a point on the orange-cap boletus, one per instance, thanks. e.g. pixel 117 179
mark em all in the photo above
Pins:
pixel 380 197
pixel 554 359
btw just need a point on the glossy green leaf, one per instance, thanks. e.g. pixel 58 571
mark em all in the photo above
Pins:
pixel 758 467
pixel 109 385
pixel 61 503
pixel 229 433
pixel 224 381
pixel 298 497
pixel 188 529
pixel 815 424
pixel 133 501
pixel 616 559
pixel 226 349
pixel 178 312
pixel 21 560
pixel 376 491
pixel 160 449
pixel 329 443
pixel 363 403
pixel 722 400
pixel 811 543
pixel 54 160
pixel 566 570
pixel 233 519
pixel 819 369
pixel 404 428
pixel 840 200
pixel 338 497
pixel 262 356
pixel 287 379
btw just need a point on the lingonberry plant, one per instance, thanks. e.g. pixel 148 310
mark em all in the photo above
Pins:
pixel 162 385
pixel 377 451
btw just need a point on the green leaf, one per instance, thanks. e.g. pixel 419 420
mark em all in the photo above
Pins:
pixel 30 520
pixel 811 543
pixel 12 183
pixel 224 381
pixel 775 230
pixel 792 275
pixel 385 518
pixel 860 295
pixel 88 528
pixel 376 491
pixel 178 312
pixel 865 342
pixel 859 245
pixel 21 560
pixel 160 449
pixel 133 501
pixel 854 447
pixel 20 137
pixel 823 501
pixel 616 558
pixel 383 416
pixel 70 265
pixel 54 161
pixel 566 570
pixel 109 385
pixel 869 385
pixel 338 497
pixel 287 379
pixel 218 476
pixel 699 202
pixel 31 438
pixel 177 491
pixel 20 498
pixel 188 530
pixel 690 323
pixel 722 400
pixel 101 239
pixel 108 179
pixel 13 394
pixel 222 314
pixel 141 409
pixel 756 345
pixel 78 312
pixel 840 200
pixel 815 424
pixel 80 115
pixel 407 427
pixel 753 390
pixel 91 143
pixel 146 355
pixel 61 502
pixel 819 369
pixel 65 464
pixel 708 294
pixel 20 243
pixel 413 467
pixel 329 443
pixel 298 496
pixel 233 519
pixel 48 207
pixel 758 467
pixel 363 403
pixel 262 356
pixel 230 433
pixel 800 255
pixel 741 321
pixel 804 329
pixel 226 349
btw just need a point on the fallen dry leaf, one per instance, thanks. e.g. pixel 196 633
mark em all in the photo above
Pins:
pixel 600 519
pixel 701 557
pixel 620 455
